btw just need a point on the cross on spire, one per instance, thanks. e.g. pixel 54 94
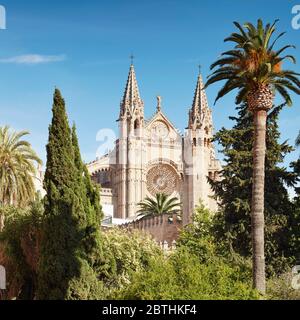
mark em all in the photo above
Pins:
pixel 132 58
pixel 199 67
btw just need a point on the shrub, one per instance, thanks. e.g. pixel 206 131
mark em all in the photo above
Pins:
pixel 124 253
pixel 280 288
pixel 19 246
pixel 181 276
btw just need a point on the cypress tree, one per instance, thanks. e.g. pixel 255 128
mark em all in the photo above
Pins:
pixel 65 271
pixel 234 191
pixel 91 201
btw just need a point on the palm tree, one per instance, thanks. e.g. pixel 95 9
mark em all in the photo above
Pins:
pixel 298 140
pixel 17 168
pixel 254 67
pixel 159 205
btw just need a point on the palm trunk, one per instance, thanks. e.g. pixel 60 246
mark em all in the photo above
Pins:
pixel 257 206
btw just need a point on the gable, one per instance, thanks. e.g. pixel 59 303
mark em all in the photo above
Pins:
pixel 159 126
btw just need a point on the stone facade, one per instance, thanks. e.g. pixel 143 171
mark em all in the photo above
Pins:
pixel 151 156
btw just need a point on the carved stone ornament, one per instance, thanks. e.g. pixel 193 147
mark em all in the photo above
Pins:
pixel 162 179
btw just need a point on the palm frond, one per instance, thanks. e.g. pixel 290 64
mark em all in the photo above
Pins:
pixel 17 168
pixel 253 63
pixel 159 205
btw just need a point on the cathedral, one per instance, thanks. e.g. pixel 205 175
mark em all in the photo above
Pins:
pixel 151 156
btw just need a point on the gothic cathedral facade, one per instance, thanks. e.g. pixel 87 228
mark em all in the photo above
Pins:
pixel 152 156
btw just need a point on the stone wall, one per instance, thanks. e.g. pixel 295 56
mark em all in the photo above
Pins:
pixel 164 229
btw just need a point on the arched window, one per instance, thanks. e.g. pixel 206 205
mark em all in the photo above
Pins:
pixel 195 142
pixel 136 124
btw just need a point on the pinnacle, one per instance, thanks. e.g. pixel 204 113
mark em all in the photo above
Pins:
pixel 200 100
pixel 199 104
pixel 131 96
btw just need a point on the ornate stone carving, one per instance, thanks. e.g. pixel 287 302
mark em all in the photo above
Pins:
pixel 162 179
pixel 159 130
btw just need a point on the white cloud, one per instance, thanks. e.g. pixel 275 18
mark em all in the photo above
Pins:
pixel 33 59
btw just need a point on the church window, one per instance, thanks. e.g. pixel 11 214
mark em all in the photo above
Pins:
pixel 136 124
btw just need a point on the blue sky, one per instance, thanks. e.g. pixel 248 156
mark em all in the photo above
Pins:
pixel 84 47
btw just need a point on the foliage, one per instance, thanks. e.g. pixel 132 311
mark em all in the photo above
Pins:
pixel 158 206
pixel 295 228
pixel 298 140
pixel 71 238
pixel 254 63
pixel 124 253
pixel 198 236
pixel 19 241
pixel 234 191
pixel 280 288
pixel 181 276
pixel 194 270
pixel 17 169
pixel 89 195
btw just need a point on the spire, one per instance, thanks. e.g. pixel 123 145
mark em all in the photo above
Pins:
pixel 131 99
pixel 199 105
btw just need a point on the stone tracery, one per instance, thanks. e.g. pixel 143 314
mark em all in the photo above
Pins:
pixel 162 178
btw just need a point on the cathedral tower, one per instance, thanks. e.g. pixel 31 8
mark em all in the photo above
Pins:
pixel 130 152
pixel 197 152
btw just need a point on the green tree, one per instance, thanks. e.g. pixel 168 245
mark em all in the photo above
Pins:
pixel 253 67
pixel 234 191
pixel 198 236
pixel 66 262
pixel 159 205
pixel 17 168
pixel 93 215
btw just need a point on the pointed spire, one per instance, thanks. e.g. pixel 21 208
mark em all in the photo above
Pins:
pixel 131 99
pixel 199 104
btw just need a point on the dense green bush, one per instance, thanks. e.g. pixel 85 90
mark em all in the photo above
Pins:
pixel 124 253
pixel 19 243
pixel 182 276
